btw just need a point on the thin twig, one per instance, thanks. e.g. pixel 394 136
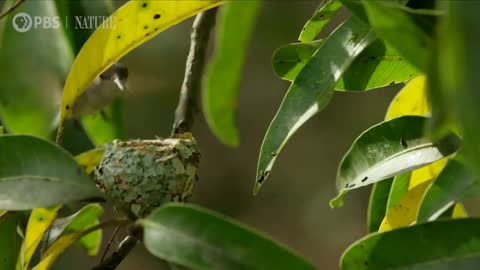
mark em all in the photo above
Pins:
pixel 109 244
pixel 189 94
pixel 11 9
pixel 124 248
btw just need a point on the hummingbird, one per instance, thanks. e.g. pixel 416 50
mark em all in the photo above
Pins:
pixel 106 87
pixel 102 91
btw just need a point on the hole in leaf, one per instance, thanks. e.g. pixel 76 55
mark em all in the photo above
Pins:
pixel 156 16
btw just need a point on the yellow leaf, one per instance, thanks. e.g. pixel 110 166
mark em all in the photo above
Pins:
pixel 459 211
pixel 66 240
pixel 131 25
pixel 90 159
pixel 38 224
pixel 411 100
pixel 426 173
pixel 405 211
pixel 57 248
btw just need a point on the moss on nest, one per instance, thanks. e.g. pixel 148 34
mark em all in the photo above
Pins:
pixel 140 175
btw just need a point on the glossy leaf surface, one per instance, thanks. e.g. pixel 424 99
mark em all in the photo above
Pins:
pixel 177 232
pixel 443 245
pixel 388 149
pixel 312 89
pixel 28 163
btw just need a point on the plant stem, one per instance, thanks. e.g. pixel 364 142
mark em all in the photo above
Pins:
pixel 189 94
pixel 11 9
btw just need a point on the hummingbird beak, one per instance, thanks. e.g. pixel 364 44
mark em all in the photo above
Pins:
pixel 120 83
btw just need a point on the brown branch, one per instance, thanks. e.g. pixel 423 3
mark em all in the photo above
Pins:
pixel 11 9
pixel 189 94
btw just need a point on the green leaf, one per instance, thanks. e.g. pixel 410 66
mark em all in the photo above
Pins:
pixel 443 245
pixel 377 206
pixel 399 189
pixel 33 67
pixel 10 241
pixel 105 127
pixel 222 82
pixel 454 184
pixel 377 66
pixel 458 66
pixel 388 149
pixel 356 8
pixel 321 17
pixel 177 232
pixel 312 89
pixel 289 60
pixel 395 26
pixel 29 163
pixel 85 218
pixel 441 101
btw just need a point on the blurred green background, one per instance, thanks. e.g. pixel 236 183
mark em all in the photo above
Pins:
pixel 293 206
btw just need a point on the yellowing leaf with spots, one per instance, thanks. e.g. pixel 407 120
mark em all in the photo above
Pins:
pixel 38 224
pixel 130 26
pixel 411 100
pixel 90 159
pixel 405 211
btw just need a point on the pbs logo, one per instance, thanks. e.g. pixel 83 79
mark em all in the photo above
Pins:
pixel 23 22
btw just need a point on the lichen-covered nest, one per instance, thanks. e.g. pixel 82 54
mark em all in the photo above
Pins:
pixel 140 175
